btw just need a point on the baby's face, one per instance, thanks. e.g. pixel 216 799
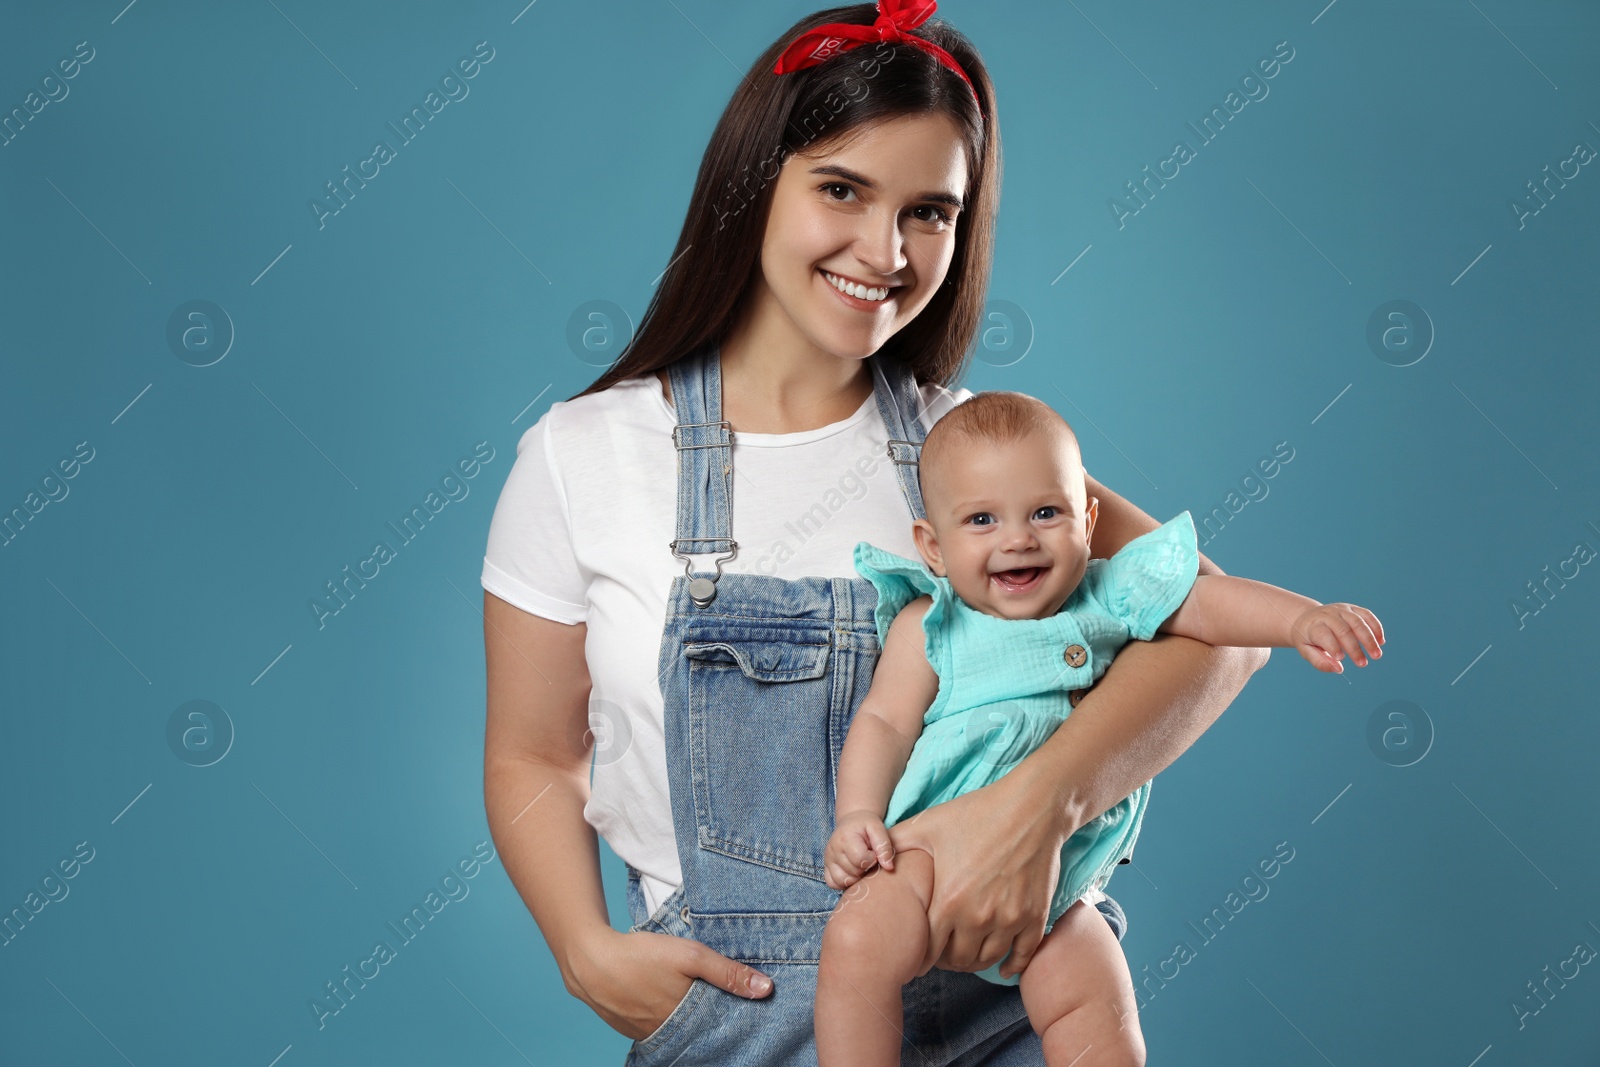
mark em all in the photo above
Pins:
pixel 1009 525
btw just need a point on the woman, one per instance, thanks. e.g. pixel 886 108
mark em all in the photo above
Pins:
pixel 825 290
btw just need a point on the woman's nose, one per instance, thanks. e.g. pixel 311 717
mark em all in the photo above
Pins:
pixel 880 245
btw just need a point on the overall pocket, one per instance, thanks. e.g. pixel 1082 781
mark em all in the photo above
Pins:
pixel 660 1041
pixel 760 725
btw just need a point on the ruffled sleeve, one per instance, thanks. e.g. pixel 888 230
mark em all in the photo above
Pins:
pixel 899 581
pixel 1146 580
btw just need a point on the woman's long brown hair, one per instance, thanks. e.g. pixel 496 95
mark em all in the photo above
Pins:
pixel 773 116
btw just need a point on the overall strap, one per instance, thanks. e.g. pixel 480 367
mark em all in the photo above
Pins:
pixel 704 442
pixel 900 404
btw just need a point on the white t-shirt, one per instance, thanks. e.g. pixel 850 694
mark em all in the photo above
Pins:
pixel 580 534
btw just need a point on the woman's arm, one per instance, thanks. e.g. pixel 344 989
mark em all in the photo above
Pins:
pixel 535 780
pixel 996 850
pixel 535 784
pixel 1120 521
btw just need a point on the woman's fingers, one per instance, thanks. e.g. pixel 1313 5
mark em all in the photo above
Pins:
pixel 1022 949
pixel 966 952
pixel 996 863
pixel 637 979
pixel 958 949
pixel 725 974
pixel 948 941
pixel 992 950
pixel 940 936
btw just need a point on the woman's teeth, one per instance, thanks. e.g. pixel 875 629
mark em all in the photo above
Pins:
pixel 860 292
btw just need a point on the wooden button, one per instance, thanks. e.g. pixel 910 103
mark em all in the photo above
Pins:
pixel 1076 656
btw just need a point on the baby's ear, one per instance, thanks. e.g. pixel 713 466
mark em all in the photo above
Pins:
pixel 1090 513
pixel 927 542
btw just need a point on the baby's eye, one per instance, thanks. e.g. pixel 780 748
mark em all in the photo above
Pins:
pixel 980 515
pixel 1051 509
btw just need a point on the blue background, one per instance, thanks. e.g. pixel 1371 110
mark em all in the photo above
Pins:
pixel 369 356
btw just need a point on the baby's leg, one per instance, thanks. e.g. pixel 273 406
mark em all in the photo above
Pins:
pixel 1079 995
pixel 873 945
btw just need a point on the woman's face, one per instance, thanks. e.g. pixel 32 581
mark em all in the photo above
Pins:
pixel 880 213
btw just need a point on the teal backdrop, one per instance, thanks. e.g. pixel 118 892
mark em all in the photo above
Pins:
pixel 1373 275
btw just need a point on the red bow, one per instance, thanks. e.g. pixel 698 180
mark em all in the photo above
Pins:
pixel 896 18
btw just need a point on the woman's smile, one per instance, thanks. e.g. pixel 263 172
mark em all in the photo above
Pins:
pixel 870 298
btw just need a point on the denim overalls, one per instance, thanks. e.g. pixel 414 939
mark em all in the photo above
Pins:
pixel 760 677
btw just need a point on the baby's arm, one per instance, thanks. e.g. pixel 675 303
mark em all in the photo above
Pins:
pixel 1228 611
pixel 885 727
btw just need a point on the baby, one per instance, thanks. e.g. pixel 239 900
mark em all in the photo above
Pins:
pixel 980 651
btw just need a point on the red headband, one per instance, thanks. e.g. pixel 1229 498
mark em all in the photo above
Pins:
pixel 896 18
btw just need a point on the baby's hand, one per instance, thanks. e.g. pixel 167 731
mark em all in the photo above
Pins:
pixel 1325 633
pixel 859 842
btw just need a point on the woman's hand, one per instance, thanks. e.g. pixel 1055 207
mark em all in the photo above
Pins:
pixel 634 980
pixel 995 864
pixel 859 842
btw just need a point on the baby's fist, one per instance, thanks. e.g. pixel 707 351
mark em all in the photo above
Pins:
pixel 859 842
pixel 1324 634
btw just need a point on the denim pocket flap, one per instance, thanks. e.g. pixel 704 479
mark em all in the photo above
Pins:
pixel 765 661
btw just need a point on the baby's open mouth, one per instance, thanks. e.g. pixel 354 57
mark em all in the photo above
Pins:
pixel 1020 579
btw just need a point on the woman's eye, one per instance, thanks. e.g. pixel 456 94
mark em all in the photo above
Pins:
pixel 940 215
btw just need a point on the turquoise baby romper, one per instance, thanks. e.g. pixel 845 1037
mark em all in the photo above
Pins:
pixel 1004 683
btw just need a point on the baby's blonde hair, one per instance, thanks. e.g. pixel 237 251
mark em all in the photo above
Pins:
pixel 994 416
